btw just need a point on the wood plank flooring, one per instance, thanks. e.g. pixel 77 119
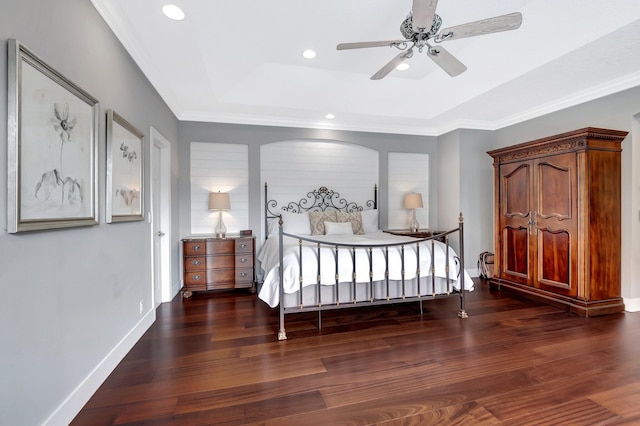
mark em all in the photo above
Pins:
pixel 215 360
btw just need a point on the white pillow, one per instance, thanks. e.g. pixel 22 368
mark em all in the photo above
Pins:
pixel 338 228
pixel 318 219
pixel 296 223
pixel 369 220
pixel 355 218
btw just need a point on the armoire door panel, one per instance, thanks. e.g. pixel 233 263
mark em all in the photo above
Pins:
pixel 515 251
pixel 556 262
pixel 556 222
pixel 516 191
pixel 555 189
pixel 515 222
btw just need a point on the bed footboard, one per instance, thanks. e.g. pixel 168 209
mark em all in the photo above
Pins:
pixel 394 274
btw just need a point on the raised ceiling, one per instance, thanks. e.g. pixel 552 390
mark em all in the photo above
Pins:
pixel 240 61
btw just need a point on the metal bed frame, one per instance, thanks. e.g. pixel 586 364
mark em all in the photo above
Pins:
pixel 323 199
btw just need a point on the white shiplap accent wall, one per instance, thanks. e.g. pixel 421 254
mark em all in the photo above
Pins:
pixel 293 168
pixel 219 167
pixel 407 173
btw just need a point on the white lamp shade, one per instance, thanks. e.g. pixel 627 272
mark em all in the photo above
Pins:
pixel 413 201
pixel 219 201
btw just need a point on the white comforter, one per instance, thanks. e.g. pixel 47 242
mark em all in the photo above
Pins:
pixel 269 258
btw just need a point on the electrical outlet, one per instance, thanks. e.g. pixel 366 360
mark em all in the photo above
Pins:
pixel 141 306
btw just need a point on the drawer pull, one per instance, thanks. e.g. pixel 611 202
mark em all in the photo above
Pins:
pixel 243 274
pixel 197 277
pixel 196 262
pixel 196 248
pixel 243 245
pixel 242 260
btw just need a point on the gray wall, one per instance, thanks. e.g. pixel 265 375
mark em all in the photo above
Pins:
pixel 71 297
pixel 69 309
pixel 466 186
pixel 255 136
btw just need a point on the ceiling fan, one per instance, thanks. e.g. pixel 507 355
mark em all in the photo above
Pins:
pixel 421 27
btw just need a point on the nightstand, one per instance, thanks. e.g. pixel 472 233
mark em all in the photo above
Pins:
pixel 218 263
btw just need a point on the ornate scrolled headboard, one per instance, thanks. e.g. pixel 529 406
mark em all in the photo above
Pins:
pixel 320 199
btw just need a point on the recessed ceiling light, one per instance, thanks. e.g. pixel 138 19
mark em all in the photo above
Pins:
pixel 173 12
pixel 329 116
pixel 403 66
pixel 309 54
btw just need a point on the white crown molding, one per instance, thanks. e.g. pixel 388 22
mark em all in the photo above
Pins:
pixel 292 122
pixel 618 85
pixel 113 16
pixel 614 86
pixel 454 125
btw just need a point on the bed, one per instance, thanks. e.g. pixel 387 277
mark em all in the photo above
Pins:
pixel 323 252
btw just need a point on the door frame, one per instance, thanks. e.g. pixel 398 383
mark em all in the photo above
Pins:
pixel 164 162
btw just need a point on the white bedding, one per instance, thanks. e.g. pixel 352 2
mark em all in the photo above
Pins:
pixel 269 259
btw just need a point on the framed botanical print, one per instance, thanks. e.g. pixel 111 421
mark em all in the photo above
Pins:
pixel 52 139
pixel 125 147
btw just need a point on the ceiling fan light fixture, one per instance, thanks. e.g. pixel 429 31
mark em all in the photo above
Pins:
pixel 329 116
pixel 423 25
pixel 403 66
pixel 172 11
pixel 309 54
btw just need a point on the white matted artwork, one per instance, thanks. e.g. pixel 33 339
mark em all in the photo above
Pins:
pixel 52 137
pixel 125 149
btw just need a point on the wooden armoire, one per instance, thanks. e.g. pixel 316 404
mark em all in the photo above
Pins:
pixel 558 218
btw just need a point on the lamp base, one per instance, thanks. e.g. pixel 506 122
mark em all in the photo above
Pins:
pixel 221 229
pixel 413 224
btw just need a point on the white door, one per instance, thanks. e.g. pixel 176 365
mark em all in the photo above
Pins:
pixel 161 217
pixel 158 233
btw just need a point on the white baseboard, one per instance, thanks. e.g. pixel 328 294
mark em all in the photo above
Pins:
pixel 473 273
pixel 632 305
pixel 71 406
pixel 177 286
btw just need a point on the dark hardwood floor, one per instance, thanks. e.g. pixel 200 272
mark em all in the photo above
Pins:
pixel 215 360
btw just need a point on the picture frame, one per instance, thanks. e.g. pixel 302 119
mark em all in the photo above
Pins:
pixel 52 147
pixel 125 170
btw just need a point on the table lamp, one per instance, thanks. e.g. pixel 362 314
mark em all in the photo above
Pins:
pixel 413 201
pixel 219 201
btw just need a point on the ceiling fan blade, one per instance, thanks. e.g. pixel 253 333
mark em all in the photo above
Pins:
pixel 446 61
pixel 423 11
pixel 364 44
pixel 382 73
pixel 496 24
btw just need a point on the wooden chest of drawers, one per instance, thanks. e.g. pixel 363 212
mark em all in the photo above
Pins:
pixel 218 263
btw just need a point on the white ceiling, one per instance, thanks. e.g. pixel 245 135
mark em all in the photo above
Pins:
pixel 240 61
